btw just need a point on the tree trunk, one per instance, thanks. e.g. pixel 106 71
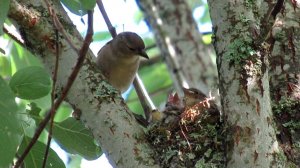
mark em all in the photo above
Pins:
pixel 244 44
pixel 102 109
pixel 244 41
pixel 188 59
pixel 284 79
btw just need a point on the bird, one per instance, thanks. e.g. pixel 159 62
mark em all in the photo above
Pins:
pixel 197 104
pixel 119 59
pixel 176 106
pixel 192 96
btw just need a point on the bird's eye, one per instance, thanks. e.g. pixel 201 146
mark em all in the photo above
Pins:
pixel 131 49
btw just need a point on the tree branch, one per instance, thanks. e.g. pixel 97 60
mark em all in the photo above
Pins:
pixel 72 77
pixel 103 110
pixel 54 79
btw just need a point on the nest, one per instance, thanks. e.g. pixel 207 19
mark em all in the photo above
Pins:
pixel 191 138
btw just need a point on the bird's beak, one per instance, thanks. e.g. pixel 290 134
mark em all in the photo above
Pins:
pixel 142 53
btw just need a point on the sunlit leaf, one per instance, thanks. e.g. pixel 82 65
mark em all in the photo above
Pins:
pixel 21 58
pixel 5 69
pixel 88 4
pixel 74 6
pixel 35 157
pixel 75 138
pixel 75 161
pixel 206 38
pixel 79 7
pixel 10 132
pixel 31 83
pixel 64 111
pixel 4 6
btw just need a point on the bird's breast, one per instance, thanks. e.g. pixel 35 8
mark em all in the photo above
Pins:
pixel 123 73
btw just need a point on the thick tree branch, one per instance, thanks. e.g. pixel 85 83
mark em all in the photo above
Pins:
pixel 66 88
pixel 187 58
pixel 244 86
pixel 103 110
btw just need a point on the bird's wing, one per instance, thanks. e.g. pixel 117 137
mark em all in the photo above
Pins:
pixel 104 46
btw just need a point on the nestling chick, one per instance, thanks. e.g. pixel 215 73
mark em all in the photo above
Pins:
pixel 196 104
pixel 176 106
pixel 192 96
pixel 119 59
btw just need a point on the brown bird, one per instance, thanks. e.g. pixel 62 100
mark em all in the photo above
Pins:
pixel 197 104
pixel 176 106
pixel 192 96
pixel 119 59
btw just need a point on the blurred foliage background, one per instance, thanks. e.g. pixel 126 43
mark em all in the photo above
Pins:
pixel 154 73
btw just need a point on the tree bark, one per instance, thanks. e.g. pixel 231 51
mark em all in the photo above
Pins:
pixel 284 60
pixel 241 41
pixel 102 109
pixel 188 59
pixel 284 78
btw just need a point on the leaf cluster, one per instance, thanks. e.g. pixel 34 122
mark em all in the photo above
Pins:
pixel 24 100
pixel 239 50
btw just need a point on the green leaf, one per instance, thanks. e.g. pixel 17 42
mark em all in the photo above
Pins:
pixel 101 35
pixel 4 6
pixel 9 144
pixel 21 58
pixel 207 38
pixel 63 112
pixel 74 161
pixel 74 138
pixel 74 6
pixel 88 4
pixel 5 69
pixel 43 103
pixel 10 132
pixel 31 83
pixel 35 157
pixel 79 7
pixel 34 110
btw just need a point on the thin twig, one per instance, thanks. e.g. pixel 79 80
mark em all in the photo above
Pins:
pixel 138 85
pixel 144 97
pixel 185 137
pixel 54 78
pixel 71 79
pixel 59 26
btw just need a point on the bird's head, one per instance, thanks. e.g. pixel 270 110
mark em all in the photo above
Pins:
pixel 131 44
